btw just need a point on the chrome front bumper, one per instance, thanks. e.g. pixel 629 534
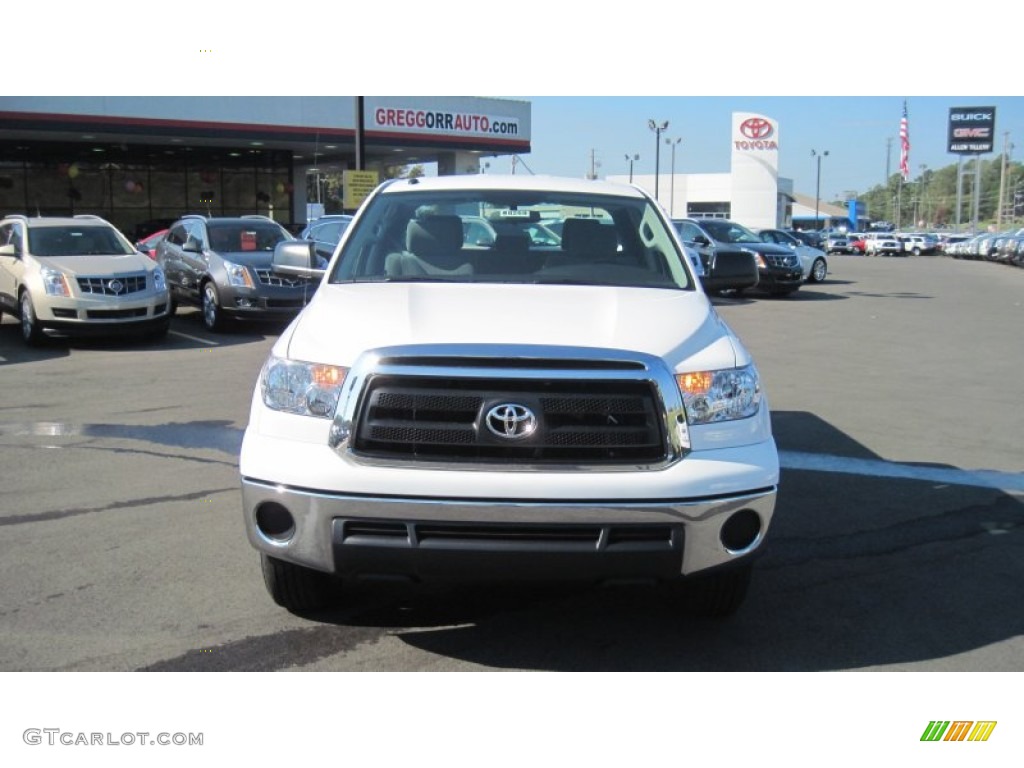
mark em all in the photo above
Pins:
pixel 379 535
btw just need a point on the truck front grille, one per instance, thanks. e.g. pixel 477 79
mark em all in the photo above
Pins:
pixel 577 421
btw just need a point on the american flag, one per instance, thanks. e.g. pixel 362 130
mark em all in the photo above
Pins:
pixel 904 145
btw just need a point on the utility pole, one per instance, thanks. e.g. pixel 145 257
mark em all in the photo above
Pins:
pixel 1002 182
pixel 594 165
pixel 977 192
pixel 888 158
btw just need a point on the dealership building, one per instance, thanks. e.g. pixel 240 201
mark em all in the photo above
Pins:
pixel 751 193
pixel 141 160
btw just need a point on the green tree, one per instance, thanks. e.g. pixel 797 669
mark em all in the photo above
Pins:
pixel 932 194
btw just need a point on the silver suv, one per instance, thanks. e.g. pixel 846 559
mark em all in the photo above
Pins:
pixel 222 265
pixel 78 275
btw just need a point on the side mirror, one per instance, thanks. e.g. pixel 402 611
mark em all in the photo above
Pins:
pixel 8 250
pixel 192 246
pixel 297 257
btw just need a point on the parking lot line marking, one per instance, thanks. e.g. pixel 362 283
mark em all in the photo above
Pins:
pixel 980 478
pixel 208 342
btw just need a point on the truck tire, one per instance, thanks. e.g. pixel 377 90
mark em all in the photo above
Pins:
pixel 713 596
pixel 297 588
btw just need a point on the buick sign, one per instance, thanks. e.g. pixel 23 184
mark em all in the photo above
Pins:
pixel 971 130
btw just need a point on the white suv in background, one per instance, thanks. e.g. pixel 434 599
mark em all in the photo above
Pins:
pixel 78 275
pixel 883 244
pixel 920 244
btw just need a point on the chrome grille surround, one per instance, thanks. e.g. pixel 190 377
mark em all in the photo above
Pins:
pixel 112 285
pixel 565 380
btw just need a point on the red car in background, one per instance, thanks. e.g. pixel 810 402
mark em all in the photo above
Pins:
pixel 857 244
pixel 148 244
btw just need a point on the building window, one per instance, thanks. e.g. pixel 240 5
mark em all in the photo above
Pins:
pixel 709 210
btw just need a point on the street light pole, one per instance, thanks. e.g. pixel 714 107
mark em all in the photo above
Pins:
pixel 657 128
pixel 631 158
pixel 672 197
pixel 817 188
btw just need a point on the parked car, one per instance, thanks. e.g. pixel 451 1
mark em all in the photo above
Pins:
pixel 485 230
pixel 778 267
pixel 948 244
pixel 812 260
pixel 325 233
pixel 857 243
pixel 838 243
pixel 223 266
pixel 443 411
pixel 883 244
pixel 811 238
pixel 147 245
pixel 78 275
pixel 919 244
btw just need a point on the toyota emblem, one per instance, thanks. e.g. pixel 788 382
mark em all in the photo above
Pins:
pixel 115 286
pixel 756 128
pixel 511 421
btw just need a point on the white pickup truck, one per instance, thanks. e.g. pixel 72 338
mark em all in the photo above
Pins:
pixel 525 409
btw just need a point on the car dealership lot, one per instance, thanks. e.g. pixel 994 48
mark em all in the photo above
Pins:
pixel 897 541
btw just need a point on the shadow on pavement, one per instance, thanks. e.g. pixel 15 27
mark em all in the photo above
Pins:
pixel 858 571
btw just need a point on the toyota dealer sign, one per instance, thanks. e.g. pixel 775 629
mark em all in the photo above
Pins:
pixel 756 133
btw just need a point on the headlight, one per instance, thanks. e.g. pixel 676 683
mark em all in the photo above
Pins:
pixel 238 275
pixel 711 396
pixel 308 389
pixel 757 258
pixel 55 282
pixel 159 283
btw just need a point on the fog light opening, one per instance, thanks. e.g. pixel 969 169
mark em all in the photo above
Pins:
pixel 275 521
pixel 741 531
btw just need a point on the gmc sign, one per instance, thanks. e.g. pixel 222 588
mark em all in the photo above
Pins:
pixel 971 130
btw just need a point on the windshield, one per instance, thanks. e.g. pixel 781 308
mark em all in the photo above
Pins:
pixel 729 232
pixel 246 236
pixel 512 236
pixel 76 240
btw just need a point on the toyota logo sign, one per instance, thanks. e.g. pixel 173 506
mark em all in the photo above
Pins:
pixel 756 128
pixel 511 421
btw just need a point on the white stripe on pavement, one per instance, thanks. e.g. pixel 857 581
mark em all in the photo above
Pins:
pixel 981 478
pixel 200 339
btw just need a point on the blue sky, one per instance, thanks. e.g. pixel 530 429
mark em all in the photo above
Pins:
pixel 852 129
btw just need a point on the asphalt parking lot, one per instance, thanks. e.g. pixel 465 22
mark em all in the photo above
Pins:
pixel 897 544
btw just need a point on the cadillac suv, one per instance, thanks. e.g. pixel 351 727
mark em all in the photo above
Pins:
pixel 222 265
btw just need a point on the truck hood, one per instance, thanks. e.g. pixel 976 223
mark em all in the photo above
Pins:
pixel 99 266
pixel 344 320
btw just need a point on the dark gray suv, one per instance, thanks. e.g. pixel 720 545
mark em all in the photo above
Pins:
pixel 223 266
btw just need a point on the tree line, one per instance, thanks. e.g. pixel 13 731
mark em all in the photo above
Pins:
pixel 930 199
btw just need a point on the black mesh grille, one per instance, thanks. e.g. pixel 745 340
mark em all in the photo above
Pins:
pixel 577 421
